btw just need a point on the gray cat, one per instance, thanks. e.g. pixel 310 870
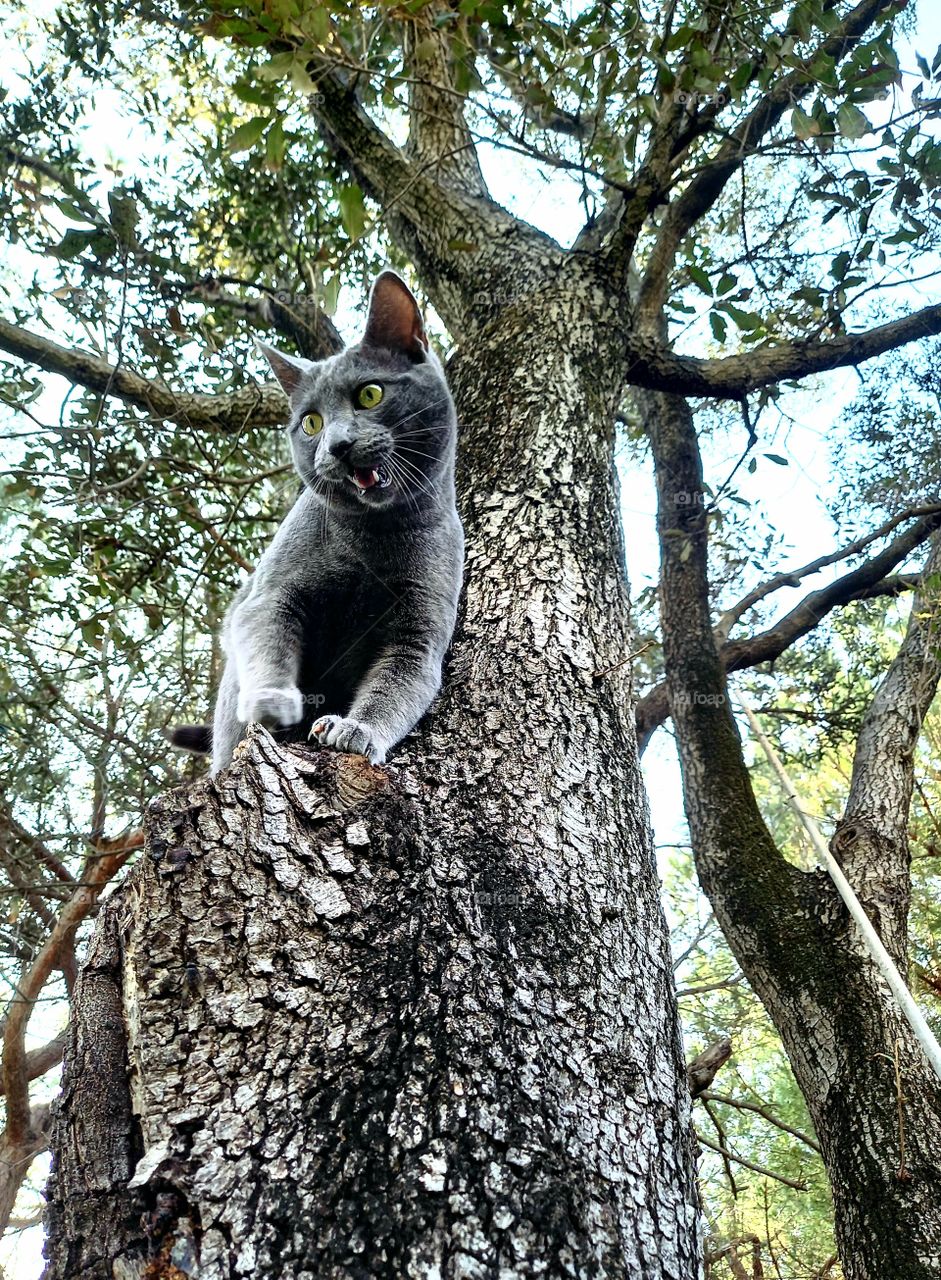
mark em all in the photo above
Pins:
pixel 340 632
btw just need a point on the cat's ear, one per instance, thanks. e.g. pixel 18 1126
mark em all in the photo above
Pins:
pixel 289 370
pixel 394 321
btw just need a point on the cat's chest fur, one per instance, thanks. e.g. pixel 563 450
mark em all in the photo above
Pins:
pixel 346 595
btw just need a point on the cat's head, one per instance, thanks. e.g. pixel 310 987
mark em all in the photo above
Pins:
pixel 374 426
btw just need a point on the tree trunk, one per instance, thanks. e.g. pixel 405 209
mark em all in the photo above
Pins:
pixel 418 1020
pixel 873 1098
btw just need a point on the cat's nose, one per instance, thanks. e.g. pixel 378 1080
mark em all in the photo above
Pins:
pixel 340 446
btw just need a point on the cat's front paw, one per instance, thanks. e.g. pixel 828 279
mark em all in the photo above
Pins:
pixel 272 707
pixel 353 736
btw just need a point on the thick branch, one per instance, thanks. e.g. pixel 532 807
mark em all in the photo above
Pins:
pixel 39 1061
pixel 439 138
pixel 867 579
pixel 468 250
pixel 260 406
pixel 871 840
pixel 839 1025
pixel 16 1157
pixel 748 870
pixel 99 869
pixel 651 364
pixel 792 578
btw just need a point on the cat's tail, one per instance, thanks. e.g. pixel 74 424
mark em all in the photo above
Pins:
pixel 196 738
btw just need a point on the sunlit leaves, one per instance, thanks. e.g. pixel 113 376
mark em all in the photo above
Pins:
pixel 352 210
pixel 851 122
pixel 246 135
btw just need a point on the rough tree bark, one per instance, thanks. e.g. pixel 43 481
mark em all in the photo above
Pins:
pixel 873 1097
pixel 415 1021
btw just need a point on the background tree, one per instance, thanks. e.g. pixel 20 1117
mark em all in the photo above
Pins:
pixel 755 190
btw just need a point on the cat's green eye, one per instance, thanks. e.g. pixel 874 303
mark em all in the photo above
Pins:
pixel 369 396
pixel 312 424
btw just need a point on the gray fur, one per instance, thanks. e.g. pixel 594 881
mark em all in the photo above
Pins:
pixel 342 628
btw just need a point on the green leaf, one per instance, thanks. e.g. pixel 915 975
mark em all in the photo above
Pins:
pixel 331 294
pixel 300 77
pixel 700 277
pixel 718 326
pixel 246 135
pixel 746 320
pixel 804 126
pixel 92 632
pixel 352 210
pixel 318 21
pixel 839 265
pixel 123 217
pixel 257 95
pixel 742 76
pixel 776 458
pixel 73 243
pixel 275 146
pixel 72 210
pixel 277 68
pixel 851 122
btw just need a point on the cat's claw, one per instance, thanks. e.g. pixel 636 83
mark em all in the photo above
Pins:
pixel 274 708
pixel 341 734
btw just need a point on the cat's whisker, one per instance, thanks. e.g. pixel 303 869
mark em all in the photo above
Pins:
pixel 421 409
pixel 427 430
pixel 420 453
pixel 420 478
pixel 407 478
pixel 412 469
pixel 404 485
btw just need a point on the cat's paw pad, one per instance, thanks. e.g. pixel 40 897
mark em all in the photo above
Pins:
pixel 275 708
pixel 342 734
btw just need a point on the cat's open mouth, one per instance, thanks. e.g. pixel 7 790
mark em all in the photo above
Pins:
pixel 370 478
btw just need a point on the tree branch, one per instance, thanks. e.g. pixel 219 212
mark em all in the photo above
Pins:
pixel 261 406
pixel 439 139
pixel 871 840
pixel 39 1061
pixel 99 869
pixel 760 1110
pixel 16 1157
pixel 652 365
pixel 707 185
pixel 311 329
pixel 792 578
pixel 653 709
pixel 468 250
pixel 749 1164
